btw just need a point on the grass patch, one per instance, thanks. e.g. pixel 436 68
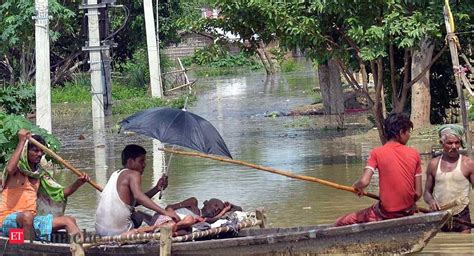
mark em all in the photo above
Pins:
pixel 71 93
pixel 290 65
pixel 208 71
pixel 316 96
pixel 126 99
pixel 304 122
pixel 133 105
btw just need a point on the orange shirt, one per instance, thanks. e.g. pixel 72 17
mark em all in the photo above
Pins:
pixel 18 198
pixel 397 165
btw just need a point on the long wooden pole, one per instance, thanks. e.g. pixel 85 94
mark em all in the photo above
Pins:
pixel 291 175
pixel 269 169
pixel 62 161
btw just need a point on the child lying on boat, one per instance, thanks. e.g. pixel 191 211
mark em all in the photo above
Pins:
pixel 190 214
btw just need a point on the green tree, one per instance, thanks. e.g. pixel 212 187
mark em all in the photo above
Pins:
pixel 17 34
pixel 381 37
pixel 68 34
pixel 9 127
pixel 133 37
pixel 250 21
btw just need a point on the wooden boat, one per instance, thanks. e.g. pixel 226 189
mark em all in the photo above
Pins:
pixel 403 235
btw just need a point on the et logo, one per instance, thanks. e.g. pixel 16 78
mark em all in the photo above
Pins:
pixel 16 236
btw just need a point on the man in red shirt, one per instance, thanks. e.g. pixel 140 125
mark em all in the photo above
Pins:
pixel 399 170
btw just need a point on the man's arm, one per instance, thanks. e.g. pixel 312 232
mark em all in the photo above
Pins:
pixel 15 158
pixel 363 181
pixel 188 203
pixel 77 184
pixel 227 208
pixel 160 185
pixel 141 198
pixel 418 187
pixel 429 185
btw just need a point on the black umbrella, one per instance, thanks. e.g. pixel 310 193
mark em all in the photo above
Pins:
pixel 177 127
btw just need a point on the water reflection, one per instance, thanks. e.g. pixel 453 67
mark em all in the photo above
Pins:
pixel 100 157
pixel 235 106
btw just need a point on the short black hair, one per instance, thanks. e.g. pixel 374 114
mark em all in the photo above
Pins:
pixel 132 151
pixel 396 123
pixel 37 138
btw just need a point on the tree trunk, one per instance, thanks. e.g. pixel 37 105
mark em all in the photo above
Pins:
pixel 267 57
pixel 264 60
pixel 331 87
pixel 420 93
pixel 23 65
pixel 378 107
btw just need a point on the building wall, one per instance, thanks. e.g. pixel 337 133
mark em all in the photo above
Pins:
pixel 190 42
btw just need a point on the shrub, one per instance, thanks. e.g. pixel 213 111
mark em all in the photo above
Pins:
pixel 17 99
pixel 214 60
pixel 135 70
pixel 9 127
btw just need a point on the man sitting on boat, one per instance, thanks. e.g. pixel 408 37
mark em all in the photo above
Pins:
pixel 23 182
pixel 449 179
pixel 123 192
pixel 399 170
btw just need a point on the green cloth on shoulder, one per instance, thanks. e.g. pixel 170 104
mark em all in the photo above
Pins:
pixel 48 186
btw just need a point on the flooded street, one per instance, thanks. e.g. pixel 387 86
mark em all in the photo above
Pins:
pixel 236 106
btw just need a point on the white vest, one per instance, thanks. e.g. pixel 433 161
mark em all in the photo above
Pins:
pixel 113 216
pixel 451 186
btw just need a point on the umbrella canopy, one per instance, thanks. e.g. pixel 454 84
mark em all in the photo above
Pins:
pixel 177 127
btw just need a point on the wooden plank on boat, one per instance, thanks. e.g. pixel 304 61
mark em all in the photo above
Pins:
pixel 165 241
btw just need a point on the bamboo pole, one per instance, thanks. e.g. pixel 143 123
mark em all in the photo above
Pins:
pixel 269 169
pixel 143 237
pixel 215 231
pixel 292 175
pixel 453 48
pixel 62 161
pixel 181 86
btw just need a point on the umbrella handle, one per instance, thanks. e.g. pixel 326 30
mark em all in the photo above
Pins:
pixel 165 173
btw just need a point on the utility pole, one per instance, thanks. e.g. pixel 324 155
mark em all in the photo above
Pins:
pixel 42 74
pixel 152 49
pixel 104 31
pixel 160 81
pixel 95 61
pixel 453 41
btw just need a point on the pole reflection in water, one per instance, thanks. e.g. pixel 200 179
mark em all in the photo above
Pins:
pixel 220 113
pixel 100 157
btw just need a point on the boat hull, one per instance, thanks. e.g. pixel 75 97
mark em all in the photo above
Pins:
pixel 403 235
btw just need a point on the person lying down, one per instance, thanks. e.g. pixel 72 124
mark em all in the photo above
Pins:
pixel 189 213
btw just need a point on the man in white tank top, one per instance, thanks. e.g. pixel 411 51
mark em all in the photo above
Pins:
pixel 449 179
pixel 123 192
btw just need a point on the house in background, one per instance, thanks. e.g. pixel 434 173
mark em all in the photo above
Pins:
pixel 192 41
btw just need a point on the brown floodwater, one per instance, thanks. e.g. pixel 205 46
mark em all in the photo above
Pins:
pixel 236 106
